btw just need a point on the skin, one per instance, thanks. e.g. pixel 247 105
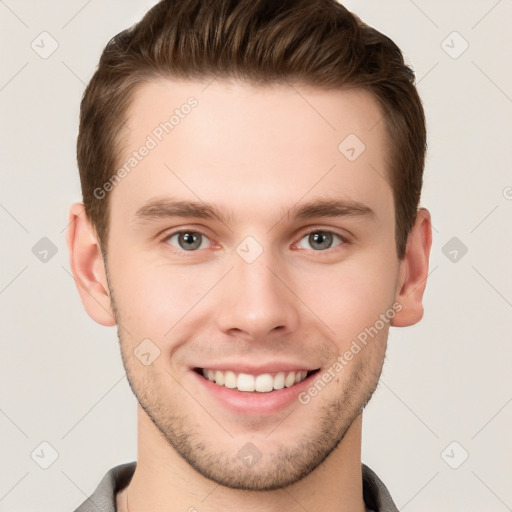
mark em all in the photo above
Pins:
pixel 256 152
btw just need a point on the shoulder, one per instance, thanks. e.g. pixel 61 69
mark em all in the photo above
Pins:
pixel 375 493
pixel 103 499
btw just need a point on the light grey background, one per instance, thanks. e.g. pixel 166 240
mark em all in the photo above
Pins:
pixel 445 380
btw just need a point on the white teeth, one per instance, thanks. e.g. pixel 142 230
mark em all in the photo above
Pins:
pixel 263 383
pixel 219 377
pixel 229 380
pixel 279 381
pixel 289 380
pixel 245 382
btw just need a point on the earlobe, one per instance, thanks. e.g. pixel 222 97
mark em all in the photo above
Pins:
pixel 87 266
pixel 414 271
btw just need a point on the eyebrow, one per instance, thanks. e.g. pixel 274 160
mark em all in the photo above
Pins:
pixel 167 208
pixel 329 208
pixel 162 208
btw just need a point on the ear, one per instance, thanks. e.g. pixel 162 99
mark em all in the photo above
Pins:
pixel 87 266
pixel 414 271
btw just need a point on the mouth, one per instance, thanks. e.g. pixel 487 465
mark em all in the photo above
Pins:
pixel 260 383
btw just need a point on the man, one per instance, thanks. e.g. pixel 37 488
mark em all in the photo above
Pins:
pixel 251 173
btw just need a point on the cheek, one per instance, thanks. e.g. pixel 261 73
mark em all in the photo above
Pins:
pixel 350 297
pixel 152 298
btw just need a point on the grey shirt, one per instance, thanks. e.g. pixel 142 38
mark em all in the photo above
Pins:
pixel 375 494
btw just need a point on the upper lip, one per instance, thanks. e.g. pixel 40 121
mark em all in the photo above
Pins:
pixel 252 369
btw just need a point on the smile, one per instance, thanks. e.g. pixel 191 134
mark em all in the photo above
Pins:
pixel 262 383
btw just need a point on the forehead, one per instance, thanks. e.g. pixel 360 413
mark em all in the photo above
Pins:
pixel 244 144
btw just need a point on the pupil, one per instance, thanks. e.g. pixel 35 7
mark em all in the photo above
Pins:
pixel 190 240
pixel 322 239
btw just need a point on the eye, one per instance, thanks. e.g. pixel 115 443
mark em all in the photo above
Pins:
pixel 188 240
pixel 321 240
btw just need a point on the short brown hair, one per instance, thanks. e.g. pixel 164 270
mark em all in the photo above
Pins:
pixel 262 42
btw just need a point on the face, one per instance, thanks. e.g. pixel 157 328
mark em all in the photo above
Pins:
pixel 248 256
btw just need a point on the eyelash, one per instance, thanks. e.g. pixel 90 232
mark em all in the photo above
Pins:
pixel 344 240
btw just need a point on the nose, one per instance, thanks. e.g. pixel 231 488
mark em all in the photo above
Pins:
pixel 255 301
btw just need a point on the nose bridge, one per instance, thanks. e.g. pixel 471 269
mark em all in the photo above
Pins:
pixel 255 300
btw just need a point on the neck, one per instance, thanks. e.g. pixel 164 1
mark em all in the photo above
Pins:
pixel 162 477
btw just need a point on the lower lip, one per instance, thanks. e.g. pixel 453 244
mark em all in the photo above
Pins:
pixel 255 403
